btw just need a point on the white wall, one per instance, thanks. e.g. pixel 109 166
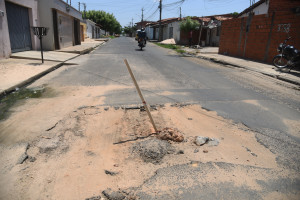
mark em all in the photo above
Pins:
pixel 32 5
pixel 259 10
pixel 149 31
pixel 176 30
pixel 90 27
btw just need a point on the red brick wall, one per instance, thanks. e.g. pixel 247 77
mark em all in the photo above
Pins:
pixel 233 40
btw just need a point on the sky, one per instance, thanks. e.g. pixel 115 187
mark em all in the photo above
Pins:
pixel 126 10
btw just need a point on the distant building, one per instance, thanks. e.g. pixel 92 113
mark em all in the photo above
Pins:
pixel 210 31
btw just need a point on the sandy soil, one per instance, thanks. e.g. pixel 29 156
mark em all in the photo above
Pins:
pixel 13 71
pixel 84 133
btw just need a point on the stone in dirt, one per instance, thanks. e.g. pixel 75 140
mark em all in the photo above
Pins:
pixel 152 150
pixel 94 198
pixel 110 173
pixel 213 142
pixel 23 152
pixel 46 145
pixel 113 195
pixel 180 152
pixel 201 140
pixel 171 134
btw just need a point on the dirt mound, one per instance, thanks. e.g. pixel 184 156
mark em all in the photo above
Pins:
pixel 168 41
pixel 153 150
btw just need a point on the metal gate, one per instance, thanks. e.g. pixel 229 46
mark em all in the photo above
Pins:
pixel 19 27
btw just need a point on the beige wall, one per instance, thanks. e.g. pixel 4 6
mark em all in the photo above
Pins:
pixel 5 48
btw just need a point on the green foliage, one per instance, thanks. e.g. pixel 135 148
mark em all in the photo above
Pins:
pixel 189 24
pixel 108 21
pixel 235 14
pixel 129 30
pixel 171 46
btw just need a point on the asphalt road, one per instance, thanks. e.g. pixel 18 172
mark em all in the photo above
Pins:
pixel 168 78
pixel 157 71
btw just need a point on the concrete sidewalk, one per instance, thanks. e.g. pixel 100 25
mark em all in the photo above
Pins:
pixel 210 53
pixel 16 73
pixel 25 67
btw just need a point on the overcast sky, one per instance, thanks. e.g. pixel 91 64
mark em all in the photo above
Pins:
pixel 125 10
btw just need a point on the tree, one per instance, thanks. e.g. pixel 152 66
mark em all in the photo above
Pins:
pixel 108 21
pixel 235 14
pixel 189 24
pixel 129 30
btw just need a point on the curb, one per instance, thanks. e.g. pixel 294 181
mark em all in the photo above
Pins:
pixel 250 69
pixel 30 80
pixel 37 76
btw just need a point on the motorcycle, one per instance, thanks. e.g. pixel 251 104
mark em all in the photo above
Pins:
pixel 289 56
pixel 142 43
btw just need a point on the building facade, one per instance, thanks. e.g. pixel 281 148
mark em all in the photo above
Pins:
pixel 15 30
pixel 63 22
pixel 93 30
pixel 256 36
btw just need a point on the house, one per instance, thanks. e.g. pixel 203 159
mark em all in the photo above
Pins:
pixel 210 31
pixel 152 29
pixel 142 24
pixel 259 8
pixel 63 22
pixel 259 29
pixel 15 31
pixel 90 28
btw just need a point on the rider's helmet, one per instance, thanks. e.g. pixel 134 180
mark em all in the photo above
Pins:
pixel 143 29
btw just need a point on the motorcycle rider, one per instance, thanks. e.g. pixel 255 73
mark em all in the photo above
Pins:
pixel 142 35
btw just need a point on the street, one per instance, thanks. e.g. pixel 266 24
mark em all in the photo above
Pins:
pixel 86 133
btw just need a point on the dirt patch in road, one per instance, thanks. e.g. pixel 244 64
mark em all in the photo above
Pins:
pixel 90 150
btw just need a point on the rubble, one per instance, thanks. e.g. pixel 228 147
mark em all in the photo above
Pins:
pixel 200 141
pixel 152 150
pixel 113 195
pixel 171 134
pixel 46 145
pixel 110 172
pixel 23 152
pixel 94 198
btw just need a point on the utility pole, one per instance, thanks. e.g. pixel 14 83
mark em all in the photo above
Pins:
pixel 79 6
pixel 70 2
pixel 201 25
pixel 84 7
pixel 180 13
pixel 142 18
pixel 131 27
pixel 160 26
